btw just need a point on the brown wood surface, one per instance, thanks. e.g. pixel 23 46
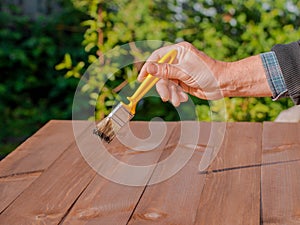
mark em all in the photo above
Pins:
pixel 41 149
pixel 231 194
pixel 49 197
pixel 12 186
pixel 280 174
pixel 47 180
pixel 31 158
pixel 175 200
pixel 106 202
pixel 190 197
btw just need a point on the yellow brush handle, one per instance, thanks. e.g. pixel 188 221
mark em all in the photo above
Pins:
pixel 148 83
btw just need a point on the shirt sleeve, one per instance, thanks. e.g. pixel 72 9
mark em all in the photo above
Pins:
pixel 274 75
pixel 288 56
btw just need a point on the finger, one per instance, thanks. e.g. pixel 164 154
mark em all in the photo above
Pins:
pixel 163 89
pixel 175 82
pixel 191 90
pixel 144 71
pixel 183 97
pixel 186 88
pixel 198 92
pixel 174 96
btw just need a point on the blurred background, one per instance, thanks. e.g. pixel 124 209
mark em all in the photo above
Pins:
pixel 47 45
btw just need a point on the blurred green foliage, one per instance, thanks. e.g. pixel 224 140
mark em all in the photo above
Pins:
pixel 31 90
pixel 223 29
pixel 42 60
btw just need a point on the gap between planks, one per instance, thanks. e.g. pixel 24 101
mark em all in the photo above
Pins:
pixel 25 179
pixel 168 146
pixel 250 166
pixel 81 203
pixel 21 176
pixel 72 205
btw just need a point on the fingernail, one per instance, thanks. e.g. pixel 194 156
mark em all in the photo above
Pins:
pixel 184 96
pixel 164 99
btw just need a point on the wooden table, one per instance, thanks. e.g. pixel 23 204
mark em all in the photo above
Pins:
pixel 254 179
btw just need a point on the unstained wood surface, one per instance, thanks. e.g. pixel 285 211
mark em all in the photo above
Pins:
pixel 281 174
pixel 56 178
pixel 231 193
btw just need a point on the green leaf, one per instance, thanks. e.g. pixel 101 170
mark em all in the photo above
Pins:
pixel 68 61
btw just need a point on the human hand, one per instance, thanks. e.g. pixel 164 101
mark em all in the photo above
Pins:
pixel 192 71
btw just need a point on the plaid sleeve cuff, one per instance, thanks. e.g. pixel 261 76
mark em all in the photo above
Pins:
pixel 274 75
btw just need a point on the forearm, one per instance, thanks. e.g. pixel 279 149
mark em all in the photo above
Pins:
pixel 243 78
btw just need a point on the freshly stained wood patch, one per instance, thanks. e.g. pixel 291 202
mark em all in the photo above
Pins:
pixel 175 200
pixel 106 202
pixel 231 194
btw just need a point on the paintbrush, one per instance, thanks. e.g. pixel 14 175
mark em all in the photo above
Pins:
pixel 107 128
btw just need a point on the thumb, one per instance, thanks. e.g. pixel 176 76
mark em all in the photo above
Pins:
pixel 148 68
pixel 153 69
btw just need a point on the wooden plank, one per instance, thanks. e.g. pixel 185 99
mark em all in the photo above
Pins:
pixel 50 196
pixel 12 186
pixel 231 194
pixel 175 200
pixel 106 202
pixel 280 174
pixel 281 142
pixel 190 197
pixel 41 149
pixel 241 147
pixel 29 160
pixel 231 197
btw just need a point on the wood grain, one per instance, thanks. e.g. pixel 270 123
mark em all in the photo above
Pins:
pixel 241 147
pixel 281 142
pixel 49 197
pixel 27 162
pixel 254 178
pixel 12 186
pixel 175 200
pixel 231 194
pixel 231 197
pixel 280 174
pixel 106 202
pixel 42 149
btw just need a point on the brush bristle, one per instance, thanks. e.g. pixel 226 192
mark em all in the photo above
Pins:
pixel 104 130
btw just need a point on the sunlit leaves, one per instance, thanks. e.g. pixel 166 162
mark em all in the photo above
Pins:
pixel 224 29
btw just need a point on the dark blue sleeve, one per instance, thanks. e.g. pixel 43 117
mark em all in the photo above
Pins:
pixel 288 56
